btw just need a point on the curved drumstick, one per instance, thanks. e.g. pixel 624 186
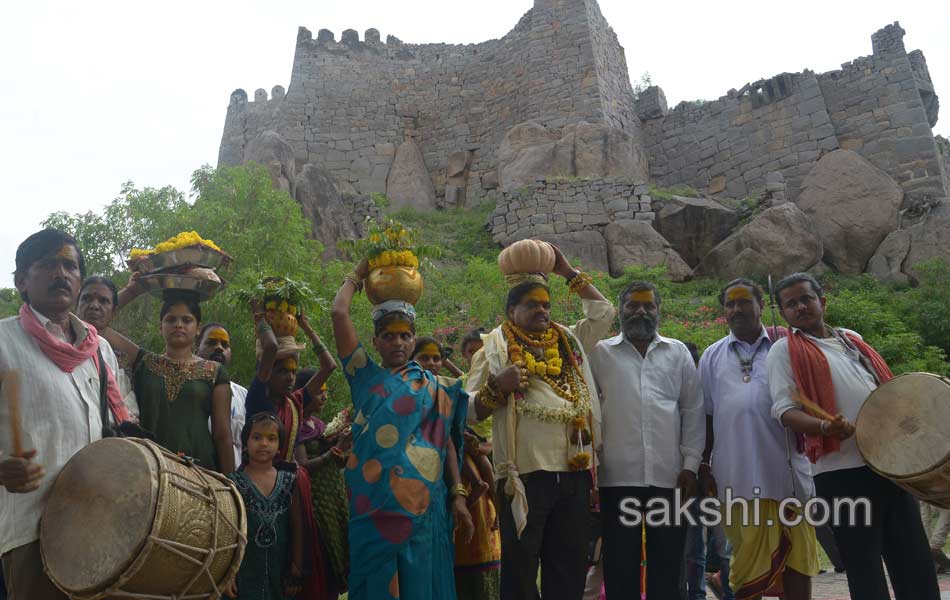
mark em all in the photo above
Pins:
pixel 814 408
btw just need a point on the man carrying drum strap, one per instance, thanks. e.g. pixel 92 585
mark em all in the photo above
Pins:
pixel 837 370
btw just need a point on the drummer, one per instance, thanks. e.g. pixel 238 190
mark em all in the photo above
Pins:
pixel 837 369
pixel 59 400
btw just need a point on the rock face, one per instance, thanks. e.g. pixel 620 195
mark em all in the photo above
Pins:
pixel 322 205
pixel 889 258
pixel 853 204
pixel 408 183
pixel 587 247
pixel 272 151
pixel 530 150
pixel 635 242
pixel 930 238
pixel 693 226
pixel 779 241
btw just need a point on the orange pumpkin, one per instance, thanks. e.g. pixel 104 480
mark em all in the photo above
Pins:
pixel 527 256
pixel 393 282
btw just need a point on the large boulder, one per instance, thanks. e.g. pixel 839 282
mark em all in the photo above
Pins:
pixel 693 226
pixel 273 151
pixel 321 203
pixel 888 260
pixel 530 150
pixel 634 242
pixel 781 240
pixel 408 183
pixel 853 204
pixel 588 248
pixel 930 238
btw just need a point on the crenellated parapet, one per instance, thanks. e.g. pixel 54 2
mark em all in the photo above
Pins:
pixel 352 99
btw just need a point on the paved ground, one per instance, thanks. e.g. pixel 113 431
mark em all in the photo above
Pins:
pixel 834 586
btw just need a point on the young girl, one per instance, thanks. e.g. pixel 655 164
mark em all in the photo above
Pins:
pixel 271 566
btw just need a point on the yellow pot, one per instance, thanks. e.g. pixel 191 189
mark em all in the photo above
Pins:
pixel 394 283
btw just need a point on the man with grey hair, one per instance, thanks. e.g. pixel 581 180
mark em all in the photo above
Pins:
pixel 653 438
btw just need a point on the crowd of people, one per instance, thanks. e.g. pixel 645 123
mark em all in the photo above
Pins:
pixel 516 479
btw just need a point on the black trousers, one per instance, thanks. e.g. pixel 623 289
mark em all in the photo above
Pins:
pixel 556 537
pixel 622 547
pixel 896 534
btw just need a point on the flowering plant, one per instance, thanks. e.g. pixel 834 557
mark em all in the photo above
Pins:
pixel 339 423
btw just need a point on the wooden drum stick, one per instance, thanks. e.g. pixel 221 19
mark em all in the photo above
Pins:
pixel 11 389
pixel 811 406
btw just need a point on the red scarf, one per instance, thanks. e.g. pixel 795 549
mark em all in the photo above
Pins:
pixel 67 357
pixel 813 379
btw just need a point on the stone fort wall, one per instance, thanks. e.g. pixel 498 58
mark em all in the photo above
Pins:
pixel 882 106
pixel 350 103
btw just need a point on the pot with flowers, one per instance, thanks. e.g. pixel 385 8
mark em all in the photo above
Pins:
pixel 186 261
pixel 392 253
pixel 281 299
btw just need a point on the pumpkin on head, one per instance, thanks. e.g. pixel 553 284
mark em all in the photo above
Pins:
pixel 527 256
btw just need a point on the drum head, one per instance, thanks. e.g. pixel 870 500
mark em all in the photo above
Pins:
pixel 100 512
pixel 902 427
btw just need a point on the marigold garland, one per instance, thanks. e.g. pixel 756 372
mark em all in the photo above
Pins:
pixel 182 240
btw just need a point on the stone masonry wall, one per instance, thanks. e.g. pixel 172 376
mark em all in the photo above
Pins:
pixel 877 110
pixel 728 145
pixel 882 106
pixel 351 103
pixel 553 206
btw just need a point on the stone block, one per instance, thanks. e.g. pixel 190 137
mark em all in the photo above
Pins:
pixel 587 249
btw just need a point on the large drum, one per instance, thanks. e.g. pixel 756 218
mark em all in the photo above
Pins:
pixel 128 519
pixel 903 433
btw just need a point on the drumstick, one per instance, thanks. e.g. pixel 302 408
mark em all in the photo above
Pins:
pixel 806 403
pixel 11 386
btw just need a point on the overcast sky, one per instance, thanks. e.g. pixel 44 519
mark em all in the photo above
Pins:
pixel 98 93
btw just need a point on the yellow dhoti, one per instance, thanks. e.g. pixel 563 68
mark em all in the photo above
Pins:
pixel 762 552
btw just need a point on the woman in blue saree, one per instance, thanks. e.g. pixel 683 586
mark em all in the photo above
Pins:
pixel 402 477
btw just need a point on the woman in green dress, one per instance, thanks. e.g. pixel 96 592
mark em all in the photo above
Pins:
pixel 177 391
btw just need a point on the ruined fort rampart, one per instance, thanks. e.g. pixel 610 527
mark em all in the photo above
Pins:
pixel 351 102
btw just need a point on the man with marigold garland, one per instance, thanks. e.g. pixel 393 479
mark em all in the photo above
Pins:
pixel 654 434
pixel 533 377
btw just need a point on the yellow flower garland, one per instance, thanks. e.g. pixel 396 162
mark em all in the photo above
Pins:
pixel 182 240
pixel 401 258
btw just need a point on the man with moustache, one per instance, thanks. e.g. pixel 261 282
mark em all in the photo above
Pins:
pixel 838 370
pixel 653 437
pixel 214 343
pixel 755 456
pixel 61 363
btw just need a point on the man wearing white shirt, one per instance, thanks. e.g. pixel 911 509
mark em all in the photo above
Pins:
pixel 214 343
pixel 653 438
pixel 837 370
pixel 60 402
pixel 754 457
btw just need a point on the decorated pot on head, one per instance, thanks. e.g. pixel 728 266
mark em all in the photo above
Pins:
pixel 393 266
pixel 526 260
pixel 183 262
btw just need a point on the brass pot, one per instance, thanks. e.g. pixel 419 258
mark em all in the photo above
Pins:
pixel 393 283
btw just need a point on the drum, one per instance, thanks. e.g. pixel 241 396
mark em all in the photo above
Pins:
pixel 902 433
pixel 128 519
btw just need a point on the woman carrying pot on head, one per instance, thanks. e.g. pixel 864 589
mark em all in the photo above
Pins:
pixel 403 474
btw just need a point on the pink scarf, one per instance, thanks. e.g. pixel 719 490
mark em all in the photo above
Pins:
pixel 67 357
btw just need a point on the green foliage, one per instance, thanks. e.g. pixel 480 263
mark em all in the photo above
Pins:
pixel 645 81
pixel 294 292
pixel 392 237
pixel 666 193
pixel 265 231
pixel 379 199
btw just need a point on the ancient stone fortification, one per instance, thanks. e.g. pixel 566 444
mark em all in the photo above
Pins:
pixel 882 106
pixel 545 120
pixel 352 102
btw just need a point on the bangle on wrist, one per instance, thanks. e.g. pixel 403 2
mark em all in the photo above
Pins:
pixel 578 282
pixel 823 428
pixel 459 489
pixel 319 348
